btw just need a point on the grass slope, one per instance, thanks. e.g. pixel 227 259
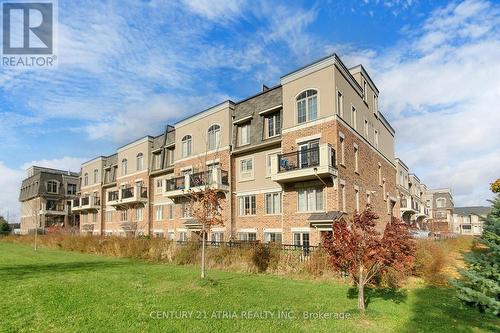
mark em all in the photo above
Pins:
pixel 61 291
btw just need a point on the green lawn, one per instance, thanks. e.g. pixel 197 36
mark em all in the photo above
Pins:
pixel 61 291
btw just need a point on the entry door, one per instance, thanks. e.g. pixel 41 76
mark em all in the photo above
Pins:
pixel 309 154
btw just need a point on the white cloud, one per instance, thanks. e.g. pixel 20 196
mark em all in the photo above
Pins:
pixel 440 88
pixel 222 10
pixel 10 183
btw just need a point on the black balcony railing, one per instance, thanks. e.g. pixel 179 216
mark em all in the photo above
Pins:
pixel 76 202
pixel 113 196
pixel 96 201
pixel 85 201
pixel 178 183
pixel 300 159
pixel 55 207
pixel 200 179
pixel 127 192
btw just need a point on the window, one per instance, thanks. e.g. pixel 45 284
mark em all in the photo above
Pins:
pixel 273 203
pixel 310 199
pixel 268 164
pixel 213 137
pixel 217 236
pixel 159 183
pixel 183 236
pixel 273 237
pixel 52 186
pixel 124 215
pixel 375 104
pixel 246 168
pixel 383 190
pixel 159 213
pixel 157 160
pixel 170 212
pixel 71 189
pixel 171 236
pixel 301 239
pixel 376 139
pixel 86 179
pixel 186 210
pixel 94 217
pixel 140 162
pixel 364 91
pixel 307 106
pixel 441 203
pixel 343 194
pixel 139 214
pixel 356 198
pixel 247 205
pixel 244 134
pixel 273 125
pixel 366 129
pixel 379 174
pixel 109 216
pixel 342 150
pixel 186 145
pixel 354 120
pixel 340 104
pixel 124 166
pixel 247 236
pixel 356 156
pixel 96 174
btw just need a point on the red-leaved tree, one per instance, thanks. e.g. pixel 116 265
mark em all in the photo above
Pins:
pixel 356 247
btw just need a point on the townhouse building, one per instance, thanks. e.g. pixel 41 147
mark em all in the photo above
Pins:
pixel 469 220
pixel 288 161
pixel 441 206
pixel 45 197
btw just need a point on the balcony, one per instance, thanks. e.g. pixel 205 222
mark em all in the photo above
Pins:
pixel 128 195
pixel 217 179
pixel 86 204
pixel 51 208
pixel 408 206
pixel 304 164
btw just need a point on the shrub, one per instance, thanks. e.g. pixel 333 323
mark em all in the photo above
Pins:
pixel 187 254
pixel 430 261
pixel 261 256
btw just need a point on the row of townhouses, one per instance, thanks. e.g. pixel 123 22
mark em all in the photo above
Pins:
pixel 288 161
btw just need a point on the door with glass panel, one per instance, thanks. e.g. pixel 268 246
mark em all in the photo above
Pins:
pixel 309 154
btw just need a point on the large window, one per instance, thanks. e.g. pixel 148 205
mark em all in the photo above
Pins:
pixel 307 106
pixel 71 189
pixel 86 179
pixel 273 122
pixel 273 237
pixel 140 162
pixel 244 134
pixel 247 205
pixel 139 214
pixel 310 199
pixel 273 203
pixel 124 215
pixel 246 169
pixel 440 203
pixel 159 213
pixel 213 137
pixel 52 186
pixel 301 239
pixel 186 145
pixel 247 236
pixel 124 166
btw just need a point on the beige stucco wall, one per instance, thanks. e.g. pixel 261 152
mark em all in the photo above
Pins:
pixel 130 153
pixel 262 179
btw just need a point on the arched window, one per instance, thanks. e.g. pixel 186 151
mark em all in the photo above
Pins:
pixel 307 106
pixel 124 166
pixel 52 186
pixel 186 146
pixel 441 202
pixel 140 161
pixel 86 179
pixel 213 137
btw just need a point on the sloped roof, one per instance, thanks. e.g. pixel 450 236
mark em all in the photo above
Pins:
pixel 472 210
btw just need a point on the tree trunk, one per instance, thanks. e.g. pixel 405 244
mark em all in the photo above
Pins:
pixel 361 290
pixel 203 255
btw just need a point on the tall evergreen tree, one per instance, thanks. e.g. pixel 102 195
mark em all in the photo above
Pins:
pixel 479 284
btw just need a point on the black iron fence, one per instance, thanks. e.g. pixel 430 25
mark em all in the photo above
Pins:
pixel 113 196
pixel 85 201
pixel 178 183
pixel 127 192
pixel 292 248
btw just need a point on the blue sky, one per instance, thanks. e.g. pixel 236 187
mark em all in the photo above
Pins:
pixel 127 68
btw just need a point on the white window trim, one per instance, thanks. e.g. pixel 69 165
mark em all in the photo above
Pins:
pixel 307 189
pixel 252 173
pixel 318 114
